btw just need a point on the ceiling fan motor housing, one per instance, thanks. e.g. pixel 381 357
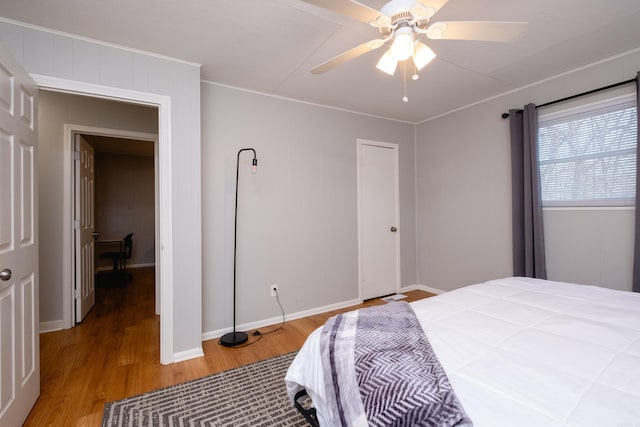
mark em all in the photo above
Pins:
pixel 399 14
pixel 397 6
pixel 406 10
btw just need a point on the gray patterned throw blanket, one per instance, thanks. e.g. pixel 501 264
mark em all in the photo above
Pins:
pixel 380 370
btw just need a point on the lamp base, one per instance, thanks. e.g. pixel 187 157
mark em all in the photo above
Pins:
pixel 234 338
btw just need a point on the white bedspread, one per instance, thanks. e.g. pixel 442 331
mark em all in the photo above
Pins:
pixel 525 352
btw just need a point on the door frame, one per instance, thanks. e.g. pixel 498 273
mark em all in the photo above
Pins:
pixel 164 244
pixel 395 148
pixel 70 131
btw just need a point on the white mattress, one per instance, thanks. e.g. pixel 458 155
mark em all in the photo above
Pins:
pixel 526 352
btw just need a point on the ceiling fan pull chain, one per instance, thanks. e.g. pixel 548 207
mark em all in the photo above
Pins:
pixel 404 80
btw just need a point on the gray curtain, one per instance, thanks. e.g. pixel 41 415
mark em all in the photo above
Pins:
pixel 528 232
pixel 636 256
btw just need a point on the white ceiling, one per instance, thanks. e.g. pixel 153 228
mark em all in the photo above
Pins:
pixel 270 45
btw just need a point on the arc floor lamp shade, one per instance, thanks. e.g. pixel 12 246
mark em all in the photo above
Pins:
pixel 235 338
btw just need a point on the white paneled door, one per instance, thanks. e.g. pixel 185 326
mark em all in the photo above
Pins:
pixel 19 320
pixel 85 292
pixel 378 217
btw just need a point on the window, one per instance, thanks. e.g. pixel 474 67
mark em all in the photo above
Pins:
pixel 588 154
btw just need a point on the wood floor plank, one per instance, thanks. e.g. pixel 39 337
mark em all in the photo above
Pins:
pixel 115 353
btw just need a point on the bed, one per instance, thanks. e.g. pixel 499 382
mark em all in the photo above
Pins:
pixel 520 352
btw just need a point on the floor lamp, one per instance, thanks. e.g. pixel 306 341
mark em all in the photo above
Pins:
pixel 234 338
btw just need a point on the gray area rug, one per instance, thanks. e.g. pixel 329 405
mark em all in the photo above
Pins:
pixel 251 395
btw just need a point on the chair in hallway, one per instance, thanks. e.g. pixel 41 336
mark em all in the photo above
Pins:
pixel 120 256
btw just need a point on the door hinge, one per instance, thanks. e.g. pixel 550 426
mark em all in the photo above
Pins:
pixel 76 294
pixel 76 155
pixel 76 224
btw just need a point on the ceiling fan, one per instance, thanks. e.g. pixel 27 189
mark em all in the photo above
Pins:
pixel 402 22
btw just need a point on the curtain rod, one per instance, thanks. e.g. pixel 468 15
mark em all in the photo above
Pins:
pixel 626 82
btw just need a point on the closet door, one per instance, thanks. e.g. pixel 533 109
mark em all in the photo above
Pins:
pixel 378 217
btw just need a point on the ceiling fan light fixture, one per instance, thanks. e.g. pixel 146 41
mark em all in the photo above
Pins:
pixel 422 55
pixel 403 44
pixel 387 63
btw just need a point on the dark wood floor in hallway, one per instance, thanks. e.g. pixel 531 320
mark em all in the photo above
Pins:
pixel 115 353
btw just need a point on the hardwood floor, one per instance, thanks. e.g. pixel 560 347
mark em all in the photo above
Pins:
pixel 114 353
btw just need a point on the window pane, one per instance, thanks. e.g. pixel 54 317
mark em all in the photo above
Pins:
pixel 589 157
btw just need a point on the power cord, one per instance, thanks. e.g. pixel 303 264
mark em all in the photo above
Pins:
pixel 282 324
pixel 259 334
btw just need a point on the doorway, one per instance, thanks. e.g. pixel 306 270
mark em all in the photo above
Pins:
pixel 378 219
pixel 63 235
pixel 123 200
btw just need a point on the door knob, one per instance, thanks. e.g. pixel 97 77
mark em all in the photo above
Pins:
pixel 5 274
pixel 393 229
pixel 95 235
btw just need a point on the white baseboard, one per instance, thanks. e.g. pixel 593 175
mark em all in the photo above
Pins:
pixel 143 265
pixel 188 354
pixel 275 320
pixel 408 288
pixel 422 288
pixel 53 326
pixel 109 268
pixel 306 313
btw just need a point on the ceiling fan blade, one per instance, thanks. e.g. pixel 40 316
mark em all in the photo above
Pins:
pixel 350 8
pixel 477 30
pixel 348 55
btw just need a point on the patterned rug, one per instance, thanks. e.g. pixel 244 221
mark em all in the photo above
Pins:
pixel 251 395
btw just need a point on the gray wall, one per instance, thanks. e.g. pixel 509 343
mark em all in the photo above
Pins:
pixel 464 196
pixel 297 218
pixel 64 57
pixel 125 203
pixel 54 111
pixel 592 246
pixel 463 191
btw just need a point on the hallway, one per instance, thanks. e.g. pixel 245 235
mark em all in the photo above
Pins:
pixel 111 354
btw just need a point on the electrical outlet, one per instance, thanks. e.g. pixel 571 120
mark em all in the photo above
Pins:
pixel 274 290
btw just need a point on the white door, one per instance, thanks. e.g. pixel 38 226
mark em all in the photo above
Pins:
pixel 85 292
pixel 19 319
pixel 378 218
